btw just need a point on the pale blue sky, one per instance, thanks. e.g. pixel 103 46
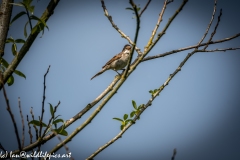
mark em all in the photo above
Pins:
pixel 198 112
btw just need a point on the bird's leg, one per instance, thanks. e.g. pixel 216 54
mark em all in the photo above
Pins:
pixel 117 72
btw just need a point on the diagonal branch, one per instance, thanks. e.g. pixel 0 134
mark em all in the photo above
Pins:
pixel 23 51
pixel 148 49
pixel 157 25
pixel 144 8
pixel 119 31
pixel 10 112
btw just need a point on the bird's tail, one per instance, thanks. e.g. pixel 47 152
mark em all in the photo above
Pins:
pixel 103 70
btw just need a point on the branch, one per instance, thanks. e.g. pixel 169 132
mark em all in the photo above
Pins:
pixel 43 101
pixel 144 8
pixel 23 127
pixel 5 15
pixel 135 38
pixel 174 153
pixel 157 25
pixel 215 29
pixel 148 49
pixel 10 112
pixel 26 46
pixel 29 130
pixel 215 50
pixel 190 47
pixel 209 25
pixel 119 31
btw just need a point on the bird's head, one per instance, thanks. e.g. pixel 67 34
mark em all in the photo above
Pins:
pixel 127 49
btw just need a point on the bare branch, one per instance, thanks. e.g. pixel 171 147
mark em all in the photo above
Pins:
pixel 43 101
pixel 174 153
pixel 29 130
pixel 115 26
pixel 210 23
pixel 23 127
pixel 65 146
pixel 215 29
pixel 10 112
pixel 157 25
pixel 215 50
pixel 144 8
pixel 190 47
pixel 135 38
pixel 36 130
pixel 149 47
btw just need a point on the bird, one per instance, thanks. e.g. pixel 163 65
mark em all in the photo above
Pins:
pixel 118 62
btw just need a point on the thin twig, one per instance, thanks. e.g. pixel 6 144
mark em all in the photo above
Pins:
pixel 170 1
pixel 10 112
pixel 157 25
pixel 23 127
pixel 215 29
pixel 144 8
pixel 215 50
pixel 119 31
pixel 174 153
pixel 2 148
pixel 209 25
pixel 43 100
pixel 65 146
pixel 29 130
pixel 135 38
pixel 34 126
pixel 43 103
pixel 190 47
pixel 148 48
pixel 29 19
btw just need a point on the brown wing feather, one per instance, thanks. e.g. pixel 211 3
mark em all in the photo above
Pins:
pixel 113 59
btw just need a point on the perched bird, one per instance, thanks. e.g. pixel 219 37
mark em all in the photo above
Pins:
pixel 118 62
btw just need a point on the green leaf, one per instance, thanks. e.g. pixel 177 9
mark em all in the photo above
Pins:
pixel 17 16
pixel 10 80
pixel 37 123
pixel 38 19
pixel 19 41
pixel 132 114
pixel 56 117
pixel 129 120
pixel 31 9
pixel 134 104
pixel 14 49
pixel 4 62
pixel 17 4
pixel 121 127
pixel 128 8
pixel 138 8
pixel 10 40
pixel 118 119
pixel 58 120
pixel 19 73
pixel 61 132
pixel 151 91
pixel 125 116
pixel 25 30
pixel 51 109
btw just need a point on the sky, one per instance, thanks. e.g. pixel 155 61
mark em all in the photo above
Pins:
pixel 198 113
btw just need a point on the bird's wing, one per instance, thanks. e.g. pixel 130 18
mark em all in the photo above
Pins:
pixel 116 57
